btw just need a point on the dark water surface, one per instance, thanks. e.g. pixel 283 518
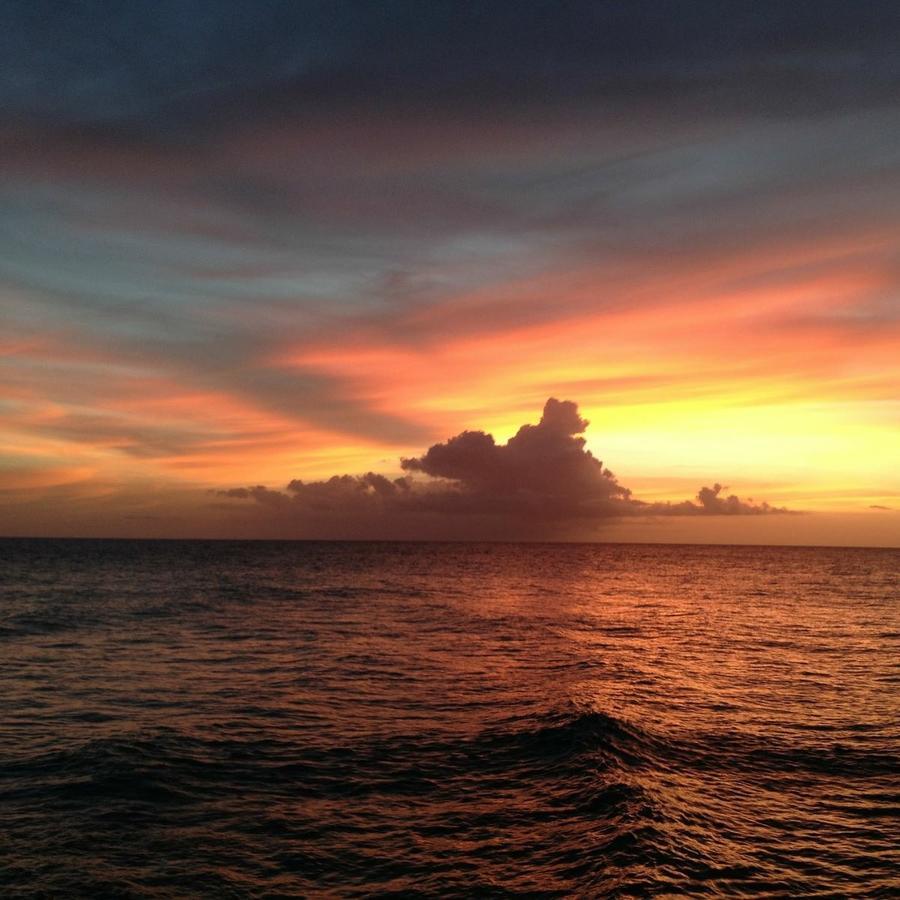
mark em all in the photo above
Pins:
pixel 279 719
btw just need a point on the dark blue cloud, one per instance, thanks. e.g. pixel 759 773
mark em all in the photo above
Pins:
pixel 174 64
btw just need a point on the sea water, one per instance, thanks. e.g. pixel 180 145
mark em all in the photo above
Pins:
pixel 256 719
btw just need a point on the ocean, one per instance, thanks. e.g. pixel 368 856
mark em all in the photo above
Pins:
pixel 268 719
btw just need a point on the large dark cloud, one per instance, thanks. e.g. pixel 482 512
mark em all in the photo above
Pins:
pixel 184 63
pixel 543 468
pixel 543 478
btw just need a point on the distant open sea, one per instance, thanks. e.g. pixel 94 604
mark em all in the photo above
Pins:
pixel 264 719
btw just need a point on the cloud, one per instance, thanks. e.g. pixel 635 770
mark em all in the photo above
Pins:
pixel 544 468
pixel 213 190
pixel 710 502
pixel 542 478
pixel 170 65
pixel 340 493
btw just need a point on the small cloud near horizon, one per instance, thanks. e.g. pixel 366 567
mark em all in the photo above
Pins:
pixel 542 476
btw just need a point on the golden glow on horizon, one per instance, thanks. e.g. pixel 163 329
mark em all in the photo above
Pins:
pixel 764 373
pixel 776 389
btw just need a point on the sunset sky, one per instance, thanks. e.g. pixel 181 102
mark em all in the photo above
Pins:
pixel 250 244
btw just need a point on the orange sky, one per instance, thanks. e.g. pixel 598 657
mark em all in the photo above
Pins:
pixel 199 303
pixel 756 368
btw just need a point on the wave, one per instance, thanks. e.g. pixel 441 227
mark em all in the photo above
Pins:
pixel 168 765
pixel 558 745
pixel 575 800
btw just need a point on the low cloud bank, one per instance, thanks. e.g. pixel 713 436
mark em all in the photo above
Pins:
pixel 709 502
pixel 543 475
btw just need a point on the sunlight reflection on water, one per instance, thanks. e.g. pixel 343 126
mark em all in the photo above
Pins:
pixel 261 718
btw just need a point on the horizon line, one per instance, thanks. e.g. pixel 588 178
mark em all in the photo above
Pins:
pixel 264 540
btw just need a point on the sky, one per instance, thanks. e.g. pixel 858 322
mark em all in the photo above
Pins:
pixel 533 270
